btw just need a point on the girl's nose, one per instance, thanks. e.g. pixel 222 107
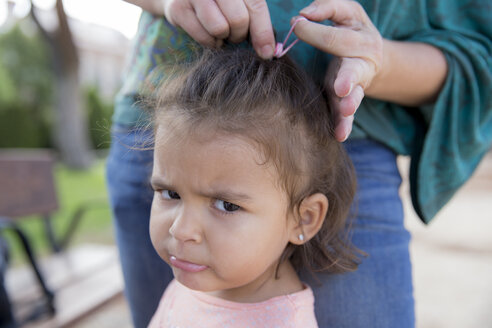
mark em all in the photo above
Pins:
pixel 186 226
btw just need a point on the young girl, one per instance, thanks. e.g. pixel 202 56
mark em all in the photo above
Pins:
pixel 250 187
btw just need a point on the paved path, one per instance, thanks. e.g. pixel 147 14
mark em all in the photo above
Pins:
pixel 452 257
pixel 84 278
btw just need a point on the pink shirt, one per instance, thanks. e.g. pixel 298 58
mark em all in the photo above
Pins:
pixel 185 308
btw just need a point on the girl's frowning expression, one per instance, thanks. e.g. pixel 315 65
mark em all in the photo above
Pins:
pixel 219 216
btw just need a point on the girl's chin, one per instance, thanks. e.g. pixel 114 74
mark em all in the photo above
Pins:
pixel 192 280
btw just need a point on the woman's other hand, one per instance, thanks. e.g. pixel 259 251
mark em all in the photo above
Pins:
pixel 359 49
pixel 210 22
pixel 402 72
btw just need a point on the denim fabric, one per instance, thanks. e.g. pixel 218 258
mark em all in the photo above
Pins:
pixel 145 274
pixel 378 294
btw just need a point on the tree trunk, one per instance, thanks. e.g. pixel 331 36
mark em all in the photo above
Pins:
pixel 70 126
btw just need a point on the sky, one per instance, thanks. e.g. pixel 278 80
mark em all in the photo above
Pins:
pixel 116 14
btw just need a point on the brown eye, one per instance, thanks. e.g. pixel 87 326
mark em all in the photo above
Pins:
pixel 169 194
pixel 226 206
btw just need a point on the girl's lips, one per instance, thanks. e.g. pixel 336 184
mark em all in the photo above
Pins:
pixel 186 266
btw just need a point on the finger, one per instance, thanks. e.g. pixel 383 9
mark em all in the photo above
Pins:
pixel 341 12
pixel 352 72
pixel 195 29
pixel 344 82
pixel 330 39
pixel 237 17
pixel 211 18
pixel 260 27
pixel 349 104
pixel 343 128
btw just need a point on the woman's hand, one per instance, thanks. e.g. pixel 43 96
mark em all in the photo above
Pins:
pixel 359 49
pixel 210 22
pixel 402 72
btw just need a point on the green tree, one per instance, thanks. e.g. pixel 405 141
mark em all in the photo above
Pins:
pixel 26 88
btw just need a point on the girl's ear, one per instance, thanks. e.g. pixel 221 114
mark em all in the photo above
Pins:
pixel 312 211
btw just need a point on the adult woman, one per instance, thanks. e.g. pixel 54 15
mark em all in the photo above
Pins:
pixel 430 89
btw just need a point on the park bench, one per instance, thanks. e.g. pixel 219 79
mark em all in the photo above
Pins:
pixel 27 188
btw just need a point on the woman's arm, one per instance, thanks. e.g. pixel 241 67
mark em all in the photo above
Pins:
pixel 411 74
pixel 155 7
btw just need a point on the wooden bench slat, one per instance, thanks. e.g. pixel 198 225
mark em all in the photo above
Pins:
pixel 26 183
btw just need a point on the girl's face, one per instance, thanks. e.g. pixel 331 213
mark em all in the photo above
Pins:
pixel 219 217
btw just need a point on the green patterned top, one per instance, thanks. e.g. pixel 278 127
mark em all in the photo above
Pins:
pixel 446 139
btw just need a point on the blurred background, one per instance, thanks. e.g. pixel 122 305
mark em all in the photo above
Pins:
pixel 60 67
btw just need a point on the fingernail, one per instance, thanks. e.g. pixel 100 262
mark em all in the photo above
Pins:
pixel 350 89
pixel 309 9
pixel 266 51
pixel 347 134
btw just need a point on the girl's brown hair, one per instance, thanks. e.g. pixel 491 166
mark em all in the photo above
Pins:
pixel 274 104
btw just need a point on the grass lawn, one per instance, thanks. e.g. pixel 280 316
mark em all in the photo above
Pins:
pixel 75 188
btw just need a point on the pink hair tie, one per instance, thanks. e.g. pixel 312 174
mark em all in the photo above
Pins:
pixel 279 48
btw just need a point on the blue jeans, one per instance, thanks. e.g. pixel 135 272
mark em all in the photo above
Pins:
pixel 145 274
pixel 378 294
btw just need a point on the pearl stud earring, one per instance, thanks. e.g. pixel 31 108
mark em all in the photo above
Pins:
pixel 301 237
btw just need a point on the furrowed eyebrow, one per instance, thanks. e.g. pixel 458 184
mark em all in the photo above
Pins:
pixel 158 183
pixel 229 195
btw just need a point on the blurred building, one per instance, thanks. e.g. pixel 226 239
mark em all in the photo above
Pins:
pixel 102 54
pixel 101 49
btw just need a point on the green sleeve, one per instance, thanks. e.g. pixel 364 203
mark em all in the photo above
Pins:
pixel 446 139
pixel 458 126
pixel 157 42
